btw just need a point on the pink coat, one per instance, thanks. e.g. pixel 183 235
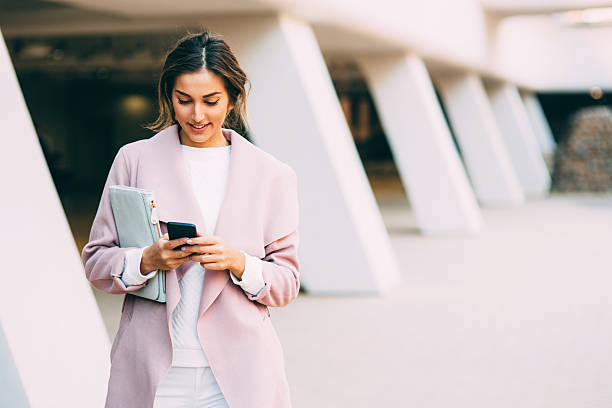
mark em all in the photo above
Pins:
pixel 259 215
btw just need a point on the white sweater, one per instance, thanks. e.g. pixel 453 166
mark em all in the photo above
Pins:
pixel 209 171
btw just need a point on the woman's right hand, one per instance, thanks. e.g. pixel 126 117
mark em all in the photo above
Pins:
pixel 162 255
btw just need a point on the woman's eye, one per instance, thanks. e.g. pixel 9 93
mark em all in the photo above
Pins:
pixel 211 103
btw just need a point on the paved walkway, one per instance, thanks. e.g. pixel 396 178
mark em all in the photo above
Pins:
pixel 519 316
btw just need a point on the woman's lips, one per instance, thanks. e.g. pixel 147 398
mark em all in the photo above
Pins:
pixel 198 130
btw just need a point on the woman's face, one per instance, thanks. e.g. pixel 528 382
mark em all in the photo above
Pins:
pixel 201 104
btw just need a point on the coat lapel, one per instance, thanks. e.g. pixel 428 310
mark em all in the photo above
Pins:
pixel 215 280
pixel 175 199
pixel 178 203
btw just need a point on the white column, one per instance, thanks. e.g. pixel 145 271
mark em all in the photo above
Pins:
pixel 544 136
pixel 482 146
pixel 520 139
pixel 296 115
pixel 431 171
pixel 11 389
pixel 47 309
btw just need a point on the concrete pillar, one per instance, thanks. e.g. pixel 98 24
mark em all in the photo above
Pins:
pixel 50 318
pixel 482 146
pixel 544 136
pixel 11 390
pixel 520 139
pixel 296 115
pixel 431 171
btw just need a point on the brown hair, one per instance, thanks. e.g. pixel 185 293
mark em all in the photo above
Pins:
pixel 193 53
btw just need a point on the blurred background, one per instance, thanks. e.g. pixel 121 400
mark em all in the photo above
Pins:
pixel 455 169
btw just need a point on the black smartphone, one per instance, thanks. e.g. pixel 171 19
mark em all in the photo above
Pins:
pixel 178 230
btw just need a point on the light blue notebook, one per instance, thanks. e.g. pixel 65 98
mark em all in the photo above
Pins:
pixel 138 226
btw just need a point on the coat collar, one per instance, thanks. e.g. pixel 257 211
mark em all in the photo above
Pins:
pixel 178 203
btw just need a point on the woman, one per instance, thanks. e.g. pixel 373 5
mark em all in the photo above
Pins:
pixel 212 343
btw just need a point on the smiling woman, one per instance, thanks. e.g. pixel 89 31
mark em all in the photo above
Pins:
pixel 212 343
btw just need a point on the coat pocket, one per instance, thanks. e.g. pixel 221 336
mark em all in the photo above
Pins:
pixel 127 312
pixel 264 312
pixel 123 325
pixel 128 306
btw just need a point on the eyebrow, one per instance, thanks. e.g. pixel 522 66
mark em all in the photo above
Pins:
pixel 205 96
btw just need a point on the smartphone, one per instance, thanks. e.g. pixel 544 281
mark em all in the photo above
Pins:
pixel 178 230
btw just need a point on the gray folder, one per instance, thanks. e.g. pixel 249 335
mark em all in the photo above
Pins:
pixel 137 226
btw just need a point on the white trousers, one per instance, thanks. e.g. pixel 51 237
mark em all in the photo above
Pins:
pixel 193 387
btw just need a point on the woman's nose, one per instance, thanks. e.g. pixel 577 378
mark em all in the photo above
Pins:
pixel 198 113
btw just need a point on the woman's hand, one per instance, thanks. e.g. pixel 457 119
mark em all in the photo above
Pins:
pixel 162 255
pixel 213 253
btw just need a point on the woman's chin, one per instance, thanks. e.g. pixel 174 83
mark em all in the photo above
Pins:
pixel 196 137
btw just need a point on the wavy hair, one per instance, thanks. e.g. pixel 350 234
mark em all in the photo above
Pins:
pixel 192 53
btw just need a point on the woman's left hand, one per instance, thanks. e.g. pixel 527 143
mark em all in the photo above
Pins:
pixel 213 253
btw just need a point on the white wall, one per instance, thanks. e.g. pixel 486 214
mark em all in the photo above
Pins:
pixel 543 54
pixel 533 6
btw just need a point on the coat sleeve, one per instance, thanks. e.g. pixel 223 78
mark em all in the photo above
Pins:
pixel 102 257
pixel 281 268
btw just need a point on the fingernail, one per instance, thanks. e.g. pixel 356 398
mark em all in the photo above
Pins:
pixel 189 241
